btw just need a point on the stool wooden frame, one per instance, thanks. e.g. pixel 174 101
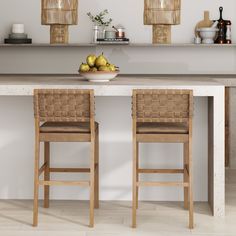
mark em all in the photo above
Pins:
pixel 163 107
pixel 55 105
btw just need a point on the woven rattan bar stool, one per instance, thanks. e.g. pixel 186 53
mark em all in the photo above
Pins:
pixel 65 116
pixel 163 116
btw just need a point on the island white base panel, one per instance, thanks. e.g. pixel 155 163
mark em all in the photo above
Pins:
pixel 114 116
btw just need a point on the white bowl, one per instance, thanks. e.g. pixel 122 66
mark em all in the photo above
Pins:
pixel 208 35
pixel 99 76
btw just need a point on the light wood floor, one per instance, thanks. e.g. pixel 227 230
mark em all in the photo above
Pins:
pixel 70 218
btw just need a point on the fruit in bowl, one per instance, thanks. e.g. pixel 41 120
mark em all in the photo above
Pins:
pixel 101 61
pixel 91 59
pixel 98 69
pixel 84 67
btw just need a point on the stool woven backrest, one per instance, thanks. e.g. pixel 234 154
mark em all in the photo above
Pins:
pixel 162 105
pixel 63 105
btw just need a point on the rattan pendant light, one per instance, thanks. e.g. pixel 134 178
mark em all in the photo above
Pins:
pixel 59 14
pixel 161 14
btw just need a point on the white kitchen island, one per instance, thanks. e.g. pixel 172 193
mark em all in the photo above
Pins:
pixel 202 86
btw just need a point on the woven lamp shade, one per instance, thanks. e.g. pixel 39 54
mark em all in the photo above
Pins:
pixel 162 14
pixel 59 14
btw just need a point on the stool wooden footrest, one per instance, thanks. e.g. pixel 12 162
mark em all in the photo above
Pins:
pixel 68 183
pixel 63 170
pixel 160 171
pixel 70 170
pixel 161 184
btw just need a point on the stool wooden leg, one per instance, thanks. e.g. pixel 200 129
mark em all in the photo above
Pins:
pixel 46 173
pixel 186 179
pixel 36 179
pixel 137 174
pixel 92 166
pixel 134 209
pixel 191 218
pixel 96 184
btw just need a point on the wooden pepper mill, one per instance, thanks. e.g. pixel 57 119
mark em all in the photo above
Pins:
pixel 59 14
pixel 161 14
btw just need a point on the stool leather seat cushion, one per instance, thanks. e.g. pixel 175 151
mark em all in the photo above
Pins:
pixel 66 127
pixel 162 128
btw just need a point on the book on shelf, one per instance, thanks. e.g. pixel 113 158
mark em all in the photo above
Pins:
pixel 113 41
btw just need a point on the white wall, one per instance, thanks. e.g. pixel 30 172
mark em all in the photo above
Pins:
pixel 16 120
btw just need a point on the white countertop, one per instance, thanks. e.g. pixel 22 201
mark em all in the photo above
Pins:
pixel 121 86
